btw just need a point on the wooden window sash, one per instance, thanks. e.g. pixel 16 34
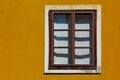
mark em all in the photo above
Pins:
pixel 72 35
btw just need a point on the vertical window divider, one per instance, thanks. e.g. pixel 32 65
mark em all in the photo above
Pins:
pixel 72 37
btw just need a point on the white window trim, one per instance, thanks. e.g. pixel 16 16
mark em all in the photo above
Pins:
pixel 46 39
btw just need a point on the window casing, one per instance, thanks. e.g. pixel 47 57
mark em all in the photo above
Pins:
pixel 69 41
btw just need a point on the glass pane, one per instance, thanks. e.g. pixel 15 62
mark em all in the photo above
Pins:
pixel 61 56
pixel 61 38
pixel 83 39
pixel 61 21
pixel 83 56
pixel 83 21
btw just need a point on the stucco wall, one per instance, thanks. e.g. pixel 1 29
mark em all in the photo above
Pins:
pixel 22 40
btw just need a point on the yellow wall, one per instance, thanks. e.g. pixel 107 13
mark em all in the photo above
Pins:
pixel 22 40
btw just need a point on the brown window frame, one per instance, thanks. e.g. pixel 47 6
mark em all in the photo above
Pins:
pixel 72 34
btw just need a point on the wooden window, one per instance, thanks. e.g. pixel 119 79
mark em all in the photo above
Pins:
pixel 72 39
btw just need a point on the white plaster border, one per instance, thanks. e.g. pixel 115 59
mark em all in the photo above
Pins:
pixel 46 34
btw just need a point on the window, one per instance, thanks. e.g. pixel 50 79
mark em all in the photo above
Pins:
pixel 72 41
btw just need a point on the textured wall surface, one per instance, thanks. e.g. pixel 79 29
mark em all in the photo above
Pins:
pixel 22 40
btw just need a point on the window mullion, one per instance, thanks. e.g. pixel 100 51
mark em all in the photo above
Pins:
pixel 72 37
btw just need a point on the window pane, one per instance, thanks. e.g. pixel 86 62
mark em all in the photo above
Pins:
pixel 83 39
pixel 61 21
pixel 61 56
pixel 61 38
pixel 83 21
pixel 83 56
